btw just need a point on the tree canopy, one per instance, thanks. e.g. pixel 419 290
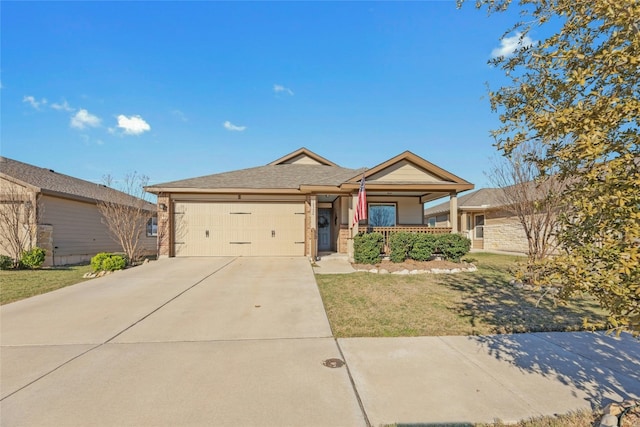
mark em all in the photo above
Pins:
pixel 577 93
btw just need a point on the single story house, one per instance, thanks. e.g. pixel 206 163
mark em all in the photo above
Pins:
pixel 298 205
pixel 481 216
pixel 64 213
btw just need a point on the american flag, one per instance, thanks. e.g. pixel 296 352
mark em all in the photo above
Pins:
pixel 361 208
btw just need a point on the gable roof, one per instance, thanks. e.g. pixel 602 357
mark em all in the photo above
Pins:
pixel 303 156
pixel 47 181
pixel 304 171
pixel 484 198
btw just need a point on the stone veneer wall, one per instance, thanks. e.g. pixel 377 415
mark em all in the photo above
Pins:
pixel 164 227
pixel 343 238
pixel 45 241
pixel 503 232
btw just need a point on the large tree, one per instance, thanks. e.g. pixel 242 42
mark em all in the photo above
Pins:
pixel 577 91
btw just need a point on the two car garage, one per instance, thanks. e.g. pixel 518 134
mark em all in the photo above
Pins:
pixel 239 229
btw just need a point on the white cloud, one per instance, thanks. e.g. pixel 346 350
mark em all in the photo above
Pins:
pixel 62 107
pixel 280 88
pixel 83 119
pixel 134 125
pixel 34 102
pixel 508 45
pixel 230 126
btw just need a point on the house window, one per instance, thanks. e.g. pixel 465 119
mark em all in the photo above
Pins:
pixel 432 221
pixel 152 227
pixel 479 226
pixel 382 214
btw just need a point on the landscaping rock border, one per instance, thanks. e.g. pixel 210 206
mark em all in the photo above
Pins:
pixel 375 270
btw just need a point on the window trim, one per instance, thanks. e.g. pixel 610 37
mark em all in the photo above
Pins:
pixel 150 221
pixel 395 207
pixel 477 227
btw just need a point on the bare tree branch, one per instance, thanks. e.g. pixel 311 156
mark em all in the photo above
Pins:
pixel 126 214
pixel 18 220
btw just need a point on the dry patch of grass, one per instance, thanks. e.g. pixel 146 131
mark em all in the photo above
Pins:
pixel 472 303
pixel 19 284
pixel 572 419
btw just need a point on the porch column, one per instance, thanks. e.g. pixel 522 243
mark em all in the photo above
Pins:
pixel 453 211
pixel 353 228
pixel 311 226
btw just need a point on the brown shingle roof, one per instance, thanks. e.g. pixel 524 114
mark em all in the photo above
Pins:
pixel 487 197
pixel 283 176
pixel 48 181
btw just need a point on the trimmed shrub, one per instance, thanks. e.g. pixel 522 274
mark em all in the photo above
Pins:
pixel 423 247
pixel 400 245
pixel 453 246
pixel 33 258
pixel 6 262
pixel 367 247
pixel 105 261
pixel 113 263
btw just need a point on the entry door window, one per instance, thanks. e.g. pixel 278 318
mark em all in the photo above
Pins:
pixel 479 227
pixel 382 214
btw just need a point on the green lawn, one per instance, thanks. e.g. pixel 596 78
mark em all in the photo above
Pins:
pixel 19 284
pixel 482 302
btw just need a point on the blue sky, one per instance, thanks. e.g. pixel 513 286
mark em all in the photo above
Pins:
pixel 176 90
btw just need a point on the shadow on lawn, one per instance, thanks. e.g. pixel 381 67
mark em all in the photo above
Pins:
pixel 606 368
pixel 489 299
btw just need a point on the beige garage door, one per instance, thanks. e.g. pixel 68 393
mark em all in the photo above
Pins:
pixel 239 229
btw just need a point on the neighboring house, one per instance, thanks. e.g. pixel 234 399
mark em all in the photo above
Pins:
pixel 482 217
pixel 298 205
pixel 69 224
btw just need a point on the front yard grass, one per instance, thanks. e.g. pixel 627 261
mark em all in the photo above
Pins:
pixel 19 284
pixel 472 303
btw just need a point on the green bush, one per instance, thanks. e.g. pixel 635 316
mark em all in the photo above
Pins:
pixel 367 248
pixel 400 245
pixel 113 263
pixel 105 261
pixel 6 262
pixel 423 246
pixel 453 246
pixel 33 258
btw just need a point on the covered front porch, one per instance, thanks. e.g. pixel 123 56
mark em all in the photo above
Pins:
pixel 396 192
pixel 332 229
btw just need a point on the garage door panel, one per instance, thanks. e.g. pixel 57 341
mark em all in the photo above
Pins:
pixel 239 229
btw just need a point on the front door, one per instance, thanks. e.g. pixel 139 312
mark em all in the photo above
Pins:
pixel 324 229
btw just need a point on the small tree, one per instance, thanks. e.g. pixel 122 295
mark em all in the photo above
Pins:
pixel 531 196
pixel 577 92
pixel 126 213
pixel 18 220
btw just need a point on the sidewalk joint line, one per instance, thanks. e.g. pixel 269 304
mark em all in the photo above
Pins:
pixel 118 334
pixel 353 385
pixel 169 301
pixel 51 371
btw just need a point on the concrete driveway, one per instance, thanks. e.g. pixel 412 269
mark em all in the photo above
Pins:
pixel 190 341
pixel 242 341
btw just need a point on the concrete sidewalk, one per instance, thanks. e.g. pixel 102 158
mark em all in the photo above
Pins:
pixel 432 380
pixel 245 342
